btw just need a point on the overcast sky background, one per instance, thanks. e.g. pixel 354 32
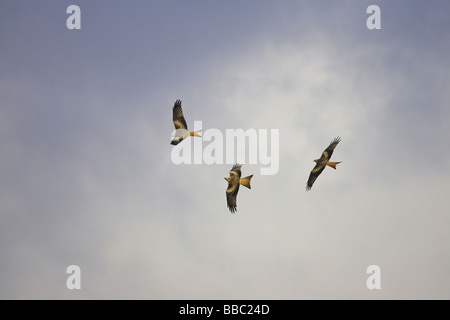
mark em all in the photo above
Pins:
pixel 87 178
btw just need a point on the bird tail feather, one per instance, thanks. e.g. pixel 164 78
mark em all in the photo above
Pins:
pixel 196 133
pixel 246 181
pixel 333 164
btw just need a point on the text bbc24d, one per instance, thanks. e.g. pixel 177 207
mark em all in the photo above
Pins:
pixel 233 309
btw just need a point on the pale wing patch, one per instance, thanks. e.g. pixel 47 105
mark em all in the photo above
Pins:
pixel 231 187
pixel 317 168
pixel 179 125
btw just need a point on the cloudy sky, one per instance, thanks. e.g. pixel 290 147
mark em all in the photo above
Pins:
pixel 87 177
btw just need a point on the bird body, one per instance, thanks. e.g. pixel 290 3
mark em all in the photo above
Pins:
pixel 181 130
pixel 234 181
pixel 322 162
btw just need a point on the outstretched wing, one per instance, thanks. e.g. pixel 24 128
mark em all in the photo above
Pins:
pixel 178 117
pixel 315 172
pixel 231 200
pixel 232 191
pixel 326 155
pixel 233 188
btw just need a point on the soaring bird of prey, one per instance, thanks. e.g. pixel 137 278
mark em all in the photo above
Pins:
pixel 234 180
pixel 322 163
pixel 181 130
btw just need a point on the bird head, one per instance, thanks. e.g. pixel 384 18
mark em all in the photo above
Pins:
pixel 228 179
pixel 316 161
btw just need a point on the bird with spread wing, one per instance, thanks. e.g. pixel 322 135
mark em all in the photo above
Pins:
pixel 323 162
pixel 181 130
pixel 234 180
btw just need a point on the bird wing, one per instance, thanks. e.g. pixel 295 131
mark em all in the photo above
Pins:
pixel 315 172
pixel 326 155
pixel 233 182
pixel 236 169
pixel 231 201
pixel 232 191
pixel 178 117
pixel 232 198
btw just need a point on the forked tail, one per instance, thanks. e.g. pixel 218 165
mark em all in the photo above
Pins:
pixel 333 164
pixel 246 181
pixel 196 133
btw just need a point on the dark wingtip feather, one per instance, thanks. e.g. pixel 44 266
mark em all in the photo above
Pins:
pixel 176 105
pixel 336 140
pixel 236 166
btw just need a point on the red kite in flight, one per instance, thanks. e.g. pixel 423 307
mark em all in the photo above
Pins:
pixel 322 163
pixel 181 130
pixel 234 180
